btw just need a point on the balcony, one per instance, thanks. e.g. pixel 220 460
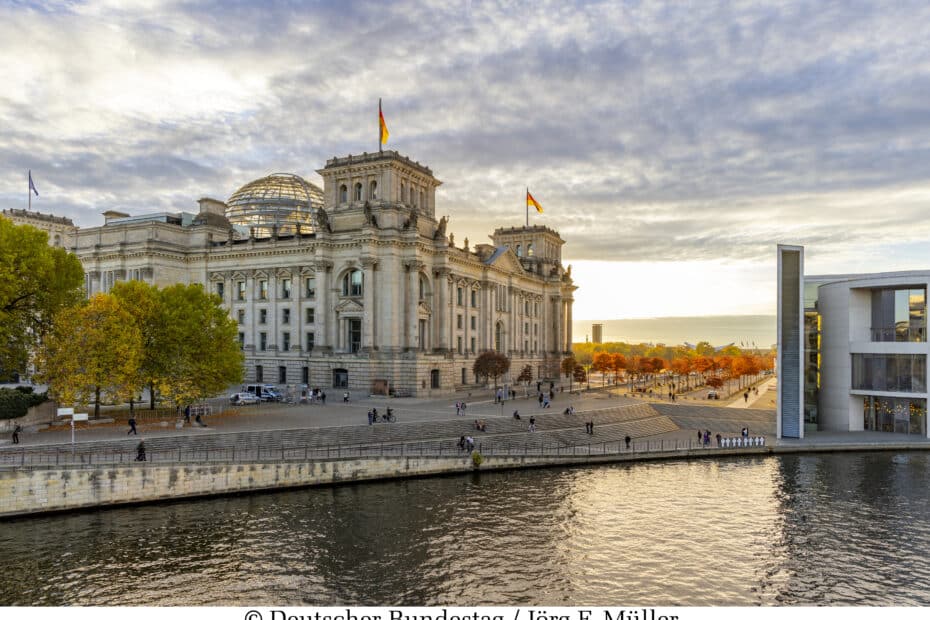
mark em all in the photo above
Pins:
pixel 899 334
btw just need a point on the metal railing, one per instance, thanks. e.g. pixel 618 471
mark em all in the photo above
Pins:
pixel 162 456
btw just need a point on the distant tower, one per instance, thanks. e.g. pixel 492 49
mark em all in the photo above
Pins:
pixel 597 333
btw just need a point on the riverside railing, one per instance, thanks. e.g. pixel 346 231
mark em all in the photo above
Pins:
pixel 164 456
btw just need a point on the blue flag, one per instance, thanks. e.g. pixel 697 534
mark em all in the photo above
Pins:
pixel 32 186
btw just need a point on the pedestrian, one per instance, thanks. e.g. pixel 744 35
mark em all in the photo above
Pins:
pixel 516 414
pixel 140 451
pixel 322 397
pixel 470 443
pixel 345 397
pixel 746 397
pixel 463 407
pixel 462 443
pixel 132 426
pixel 187 414
pixel 540 399
pixel 627 440
pixel 532 424
pixel 718 437
pixel 199 421
pixel 700 436
pixel 546 403
pixel 591 426
pixel 370 420
pixel 458 408
pixel 16 431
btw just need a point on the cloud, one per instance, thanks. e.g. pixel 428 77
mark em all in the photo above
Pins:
pixel 649 131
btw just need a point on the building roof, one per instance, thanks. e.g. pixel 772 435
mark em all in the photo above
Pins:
pixel 35 215
pixel 277 200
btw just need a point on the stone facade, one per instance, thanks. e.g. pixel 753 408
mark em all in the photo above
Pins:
pixel 60 229
pixel 375 296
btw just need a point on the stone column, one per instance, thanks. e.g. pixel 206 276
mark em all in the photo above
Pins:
pixel 442 310
pixel 368 300
pixel 568 324
pixel 324 325
pixel 556 325
pixel 412 303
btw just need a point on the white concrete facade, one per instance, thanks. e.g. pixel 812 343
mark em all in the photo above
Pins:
pixel 377 294
pixel 840 329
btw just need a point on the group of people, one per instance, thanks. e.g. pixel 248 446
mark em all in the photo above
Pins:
pixel 589 427
pixel 467 442
pixel 545 399
pixel 373 416
pixel 460 407
pixel 481 425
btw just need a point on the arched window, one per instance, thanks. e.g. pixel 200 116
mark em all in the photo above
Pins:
pixel 343 194
pixel 373 190
pixel 424 287
pixel 352 283
pixel 57 241
pixel 358 192
pixel 519 250
pixel 529 249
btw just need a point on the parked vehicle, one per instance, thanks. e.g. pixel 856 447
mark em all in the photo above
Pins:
pixel 263 392
pixel 713 395
pixel 244 398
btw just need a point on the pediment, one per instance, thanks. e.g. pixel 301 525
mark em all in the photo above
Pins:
pixel 259 273
pixel 217 276
pixel 238 275
pixel 349 305
pixel 507 261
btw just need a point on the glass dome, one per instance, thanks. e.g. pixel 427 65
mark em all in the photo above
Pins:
pixel 279 200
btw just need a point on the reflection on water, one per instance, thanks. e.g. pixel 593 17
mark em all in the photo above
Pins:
pixel 822 529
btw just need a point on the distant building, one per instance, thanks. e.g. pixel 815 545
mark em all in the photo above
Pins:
pixel 60 229
pixel 852 350
pixel 597 333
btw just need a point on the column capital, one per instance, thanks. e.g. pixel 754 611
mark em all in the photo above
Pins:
pixel 369 263
pixel 413 265
pixel 322 265
pixel 442 272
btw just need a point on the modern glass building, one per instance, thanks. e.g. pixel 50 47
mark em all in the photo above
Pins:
pixel 864 361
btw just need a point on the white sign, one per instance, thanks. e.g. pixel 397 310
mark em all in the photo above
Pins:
pixel 79 417
pixel 62 411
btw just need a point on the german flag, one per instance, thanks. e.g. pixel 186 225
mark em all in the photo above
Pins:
pixel 384 129
pixel 531 202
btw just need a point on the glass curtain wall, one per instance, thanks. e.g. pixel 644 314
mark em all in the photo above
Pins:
pixel 811 353
pixel 899 315
pixel 895 415
pixel 889 373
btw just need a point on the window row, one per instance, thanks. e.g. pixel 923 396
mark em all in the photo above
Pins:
pixel 309 340
pixel 285 289
pixel 889 372
pixel 282 374
pixel 309 316
pixel 357 192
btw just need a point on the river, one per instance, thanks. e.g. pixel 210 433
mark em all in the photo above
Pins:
pixel 832 529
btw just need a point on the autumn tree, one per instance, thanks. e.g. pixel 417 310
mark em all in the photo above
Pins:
pixel 199 345
pixel 491 365
pixel 143 303
pixel 93 351
pixel 568 365
pixel 602 364
pixel 36 282
pixel 526 375
pixel 579 374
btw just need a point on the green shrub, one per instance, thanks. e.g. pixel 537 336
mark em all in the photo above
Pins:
pixel 476 459
pixel 15 403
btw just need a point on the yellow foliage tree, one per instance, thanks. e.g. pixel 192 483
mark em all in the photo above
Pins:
pixel 93 351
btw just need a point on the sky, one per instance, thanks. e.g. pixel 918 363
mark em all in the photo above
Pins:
pixel 672 145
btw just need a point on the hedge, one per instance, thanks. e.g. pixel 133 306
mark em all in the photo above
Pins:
pixel 15 403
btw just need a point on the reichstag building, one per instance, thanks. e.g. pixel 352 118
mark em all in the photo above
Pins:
pixel 352 285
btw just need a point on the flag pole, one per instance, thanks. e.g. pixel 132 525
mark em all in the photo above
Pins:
pixel 526 200
pixel 29 190
pixel 380 149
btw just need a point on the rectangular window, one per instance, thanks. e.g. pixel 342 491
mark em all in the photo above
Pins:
pixel 259 374
pixel 310 315
pixel 464 376
pixel 240 316
pixel 883 372
pixel 474 321
pixel 355 335
pixel 458 321
pixel 220 289
pixel 286 341
pixel 305 375
pixel 286 288
pixel 310 341
pixel 262 341
pixel 263 289
pixel 899 315
pixel 286 316
pixel 240 290
pixel 474 302
pixel 241 340
pixel 458 295
pixel 472 345
pixel 459 345
pixel 526 328
pixel 282 374
pixel 262 316
pixel 310 288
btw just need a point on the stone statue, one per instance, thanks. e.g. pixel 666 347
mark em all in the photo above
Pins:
pixel 323 219
pixel 441 229
pixel 466 244
pixel 368 215
pixel 451 240
pixel 568 272
pixel 412 220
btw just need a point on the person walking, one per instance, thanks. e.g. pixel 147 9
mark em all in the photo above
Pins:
pixel 16 431
pixel 322 397
pixel 458 408
pixel 345 397
pixel 187 414
pixel 627 439
pixel 140 451
pixel 132 426
pixel 370 418
pixel 532 424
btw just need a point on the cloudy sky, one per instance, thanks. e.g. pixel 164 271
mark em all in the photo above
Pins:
pixel 671 144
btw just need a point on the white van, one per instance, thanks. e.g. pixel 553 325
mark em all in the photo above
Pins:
pixel 263 392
